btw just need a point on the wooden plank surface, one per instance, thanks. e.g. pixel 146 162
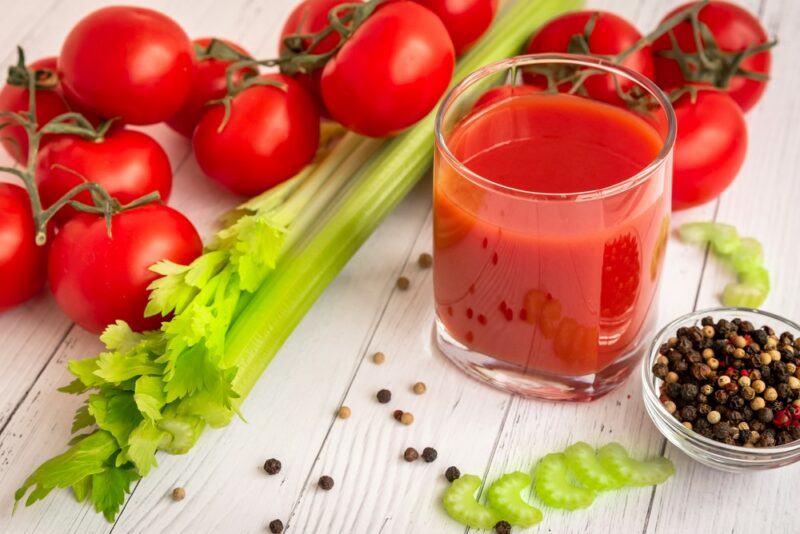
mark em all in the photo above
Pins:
pixel 291 412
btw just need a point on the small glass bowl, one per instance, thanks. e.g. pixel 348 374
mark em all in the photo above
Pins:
pixel 712 453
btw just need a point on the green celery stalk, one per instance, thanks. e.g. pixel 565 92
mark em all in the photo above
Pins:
pixel 306 271
pixel 158 390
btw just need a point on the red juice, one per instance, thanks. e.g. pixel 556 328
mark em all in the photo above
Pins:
pixel 547 249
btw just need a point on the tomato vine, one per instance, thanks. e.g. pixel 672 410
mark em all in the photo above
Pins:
pixel 70 123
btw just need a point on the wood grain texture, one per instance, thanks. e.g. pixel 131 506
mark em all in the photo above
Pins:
pixel 326 362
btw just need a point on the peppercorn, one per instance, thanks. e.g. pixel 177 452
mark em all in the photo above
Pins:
pixel 721 396
pixel 784 391
pixel 503 527
pixel 739 354
pixel 276 526
pixel 688 413
pixel 452 473
pixel 178 494
pixel 407 418
pixel 739 342
pixel 735 416
pixel 272 466
pixel 325 482
pixel 759 386
pixel 410 454
pixel 689 392
pixel 793 382
pixel 713 417
pixel 403 283
pixel 673 389
pixel 744 426
pixel 343 412
pixel 681 367
pixel 384 396
pixel 429 454
pixel 723 381
pixel 744 381
pixel 670 406
pixel 757 404
pixel 713 363
pixel 687 424
pixel 736 402
pixel 706 389
pixel 708 331
pixel 770 394
pixel 425 260
pixel 765 358
pixel 660 370
pixel 420 388
pixel 662 360
pixel 378 358
pixel 764 415
pixel 704 409
pixel 759 336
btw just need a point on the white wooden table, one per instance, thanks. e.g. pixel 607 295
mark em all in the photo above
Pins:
pixel 326 362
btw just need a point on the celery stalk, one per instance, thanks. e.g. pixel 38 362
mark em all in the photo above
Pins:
pixel 158 390
pixel 306 271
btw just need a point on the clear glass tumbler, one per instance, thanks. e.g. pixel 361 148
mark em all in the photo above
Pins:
pixel 551 214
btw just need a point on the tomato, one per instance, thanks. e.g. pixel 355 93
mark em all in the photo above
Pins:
pixel 97 279
pixel 466 20
pixel 272 133
pixel 50 103
pixel 311 16
pixel 496 94
pixel 127 163
pixel 709 149
pixel 23 264
pixel 127 62
pixel 611 35
pixel 391 72
pixel 208 83
pixel 734 30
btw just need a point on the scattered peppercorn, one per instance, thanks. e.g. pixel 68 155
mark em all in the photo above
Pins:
pixel 420 388
pixel 343 412
pixel 429 454
pixel 403 283
pixel 272 466
pixel 276 526
pixel 425 260
pixel 178 494
pixel 732 382
pixel 384 396
pixel 410 454
pixel 397 414
pixel 378 358
pixel 325 482
pixel 452 473
pixel 503 527
pixel 407 418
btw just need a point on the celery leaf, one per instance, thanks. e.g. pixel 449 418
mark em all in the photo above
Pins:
pixel 109 488
pixel 149 396
pixel 115 413
pixel 143 442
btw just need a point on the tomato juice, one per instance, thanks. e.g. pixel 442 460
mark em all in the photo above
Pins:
pixel 550 226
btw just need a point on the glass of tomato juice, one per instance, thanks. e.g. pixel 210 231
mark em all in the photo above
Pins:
pixel 551 213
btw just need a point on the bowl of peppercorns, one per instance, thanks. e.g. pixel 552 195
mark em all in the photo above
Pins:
pixel 725 391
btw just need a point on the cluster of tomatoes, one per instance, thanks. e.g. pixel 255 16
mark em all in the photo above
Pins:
pixel 376 67
pixel 714 63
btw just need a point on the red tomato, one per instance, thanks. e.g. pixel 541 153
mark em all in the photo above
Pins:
pixel 208 83
pixel 610 36
pixel 709 149
pixel 272 133
pixel 129 164
pixel 127 62
pixel 50 103
pixel 311 16
pixel 391 72
pixel 23 264
pixel 97 279
pixel 466 20
pixel 734 30
pixel 496 94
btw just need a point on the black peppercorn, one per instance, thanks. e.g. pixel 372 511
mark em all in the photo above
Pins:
pixel 689 392
pixel 688 413
pixel 703 409
pixel 760 337
pixel 429 454
pixel 325 482
pixel 272 466
pixel 452 473
pixel 784 438
pixel 707 321
pixel 276 526
pixel 384 396
pixel 764 415
pixel 660 370
pixel 503 527
pixel 784 391
pixel 682 366
pixel 735 416
pixel 721 396
pixel 673 390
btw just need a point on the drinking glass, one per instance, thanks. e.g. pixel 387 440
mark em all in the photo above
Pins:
pixel 549 293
